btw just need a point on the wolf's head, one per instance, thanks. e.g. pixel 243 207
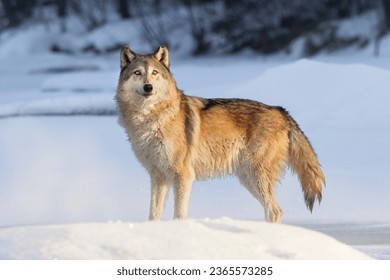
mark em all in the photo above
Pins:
pixel 145 76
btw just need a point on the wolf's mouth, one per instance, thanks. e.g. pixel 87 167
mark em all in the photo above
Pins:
pixel 144 94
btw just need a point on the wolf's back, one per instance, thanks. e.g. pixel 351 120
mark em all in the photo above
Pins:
pixel 303 161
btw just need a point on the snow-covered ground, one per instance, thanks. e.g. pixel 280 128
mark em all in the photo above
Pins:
pixel 65 160
pixel 185 240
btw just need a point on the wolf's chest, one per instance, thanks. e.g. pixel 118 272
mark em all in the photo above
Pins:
pixel 151 147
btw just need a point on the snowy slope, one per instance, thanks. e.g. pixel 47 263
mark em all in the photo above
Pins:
pixel 191 239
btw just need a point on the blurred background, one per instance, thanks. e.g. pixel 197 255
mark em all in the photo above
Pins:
pixel 197 27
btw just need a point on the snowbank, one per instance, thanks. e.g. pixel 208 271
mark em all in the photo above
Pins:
pixel 36 39
pixel 88 82
pixel 190 239
pixel 326 94
pixel 91 104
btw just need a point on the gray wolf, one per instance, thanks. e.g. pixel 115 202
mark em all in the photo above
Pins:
pixel 180 138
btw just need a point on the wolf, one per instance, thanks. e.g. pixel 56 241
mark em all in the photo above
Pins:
pixel 180 138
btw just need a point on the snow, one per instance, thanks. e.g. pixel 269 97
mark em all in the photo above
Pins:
pixel 74 82
pixel 186 240
pixel 67 169
pixel 97 104
pixel 345 93
pixel 40 39
pixel 368 23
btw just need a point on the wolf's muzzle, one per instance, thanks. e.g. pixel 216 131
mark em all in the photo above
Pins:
pixel 148 88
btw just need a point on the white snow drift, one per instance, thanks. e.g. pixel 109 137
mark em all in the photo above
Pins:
pixel 190 239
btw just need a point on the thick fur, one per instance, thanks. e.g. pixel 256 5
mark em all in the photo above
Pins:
pixel 180 138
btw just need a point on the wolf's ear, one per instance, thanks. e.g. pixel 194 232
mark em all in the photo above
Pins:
pixel 127 56
pixel 162 55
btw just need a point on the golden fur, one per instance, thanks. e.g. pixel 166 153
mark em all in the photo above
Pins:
pixel 180 138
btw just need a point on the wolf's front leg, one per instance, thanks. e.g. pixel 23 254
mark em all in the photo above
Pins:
pixel 158 196
pixel 182 191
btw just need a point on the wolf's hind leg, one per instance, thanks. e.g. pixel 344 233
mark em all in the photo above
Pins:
pixel 267 163
pixel 263 190
pixel 272 211
pixel 265 185
pixel 260 173
pixel 158 196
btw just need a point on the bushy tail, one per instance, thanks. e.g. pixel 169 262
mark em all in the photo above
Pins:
pixel 303 161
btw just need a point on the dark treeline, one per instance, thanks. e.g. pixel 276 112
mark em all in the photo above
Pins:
pixel 264 26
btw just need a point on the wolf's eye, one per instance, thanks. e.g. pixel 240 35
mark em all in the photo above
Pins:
pixel 137 72
pixel 155 72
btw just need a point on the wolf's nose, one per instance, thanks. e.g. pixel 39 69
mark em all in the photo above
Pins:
pixel 148 88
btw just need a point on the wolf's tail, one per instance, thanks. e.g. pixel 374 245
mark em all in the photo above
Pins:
pixel 303 161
